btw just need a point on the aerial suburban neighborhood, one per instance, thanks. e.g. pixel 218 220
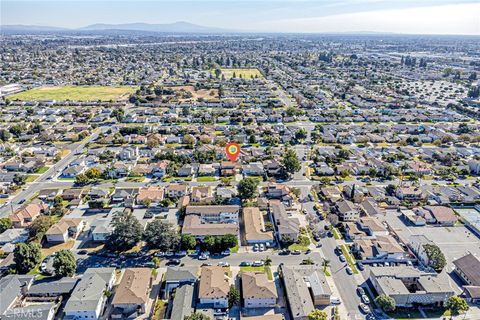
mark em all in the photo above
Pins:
pixel 355 193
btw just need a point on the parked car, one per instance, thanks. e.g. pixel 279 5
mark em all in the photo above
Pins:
pixel 202 257
pixel 159 254
pixel 284 252
pixel 257 263
pixel 349 270
pixel 296 252
pixel 335 300
pixel 308 251
pixel 245 264
pixel 365 299
pixel 82 252
pixel 173 262
pixel 181 253
pixel 360 291
pixel 224 264
pixel 169 254
pixel 226 252
pixel 342 258
pixel 365 309
pixel 360 266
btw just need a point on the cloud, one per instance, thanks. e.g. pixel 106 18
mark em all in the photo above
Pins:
pixel 446 19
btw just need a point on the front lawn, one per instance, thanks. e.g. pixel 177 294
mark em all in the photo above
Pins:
pixel 265 269
pixel 42 170
pixel 297 246
pixel 206 179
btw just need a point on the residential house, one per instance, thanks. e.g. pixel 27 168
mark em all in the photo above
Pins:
pixel 176 190
pixel 410 193
pixel 131 295
pixel 253 169
pixel 183 304
pixel 101 229
pixel 88 299
pixel 411 287
pixel 214 287
pixel 25 215
pixel 202 194
pixel 150 195
pixel 257 290
pixel 468 269
pixel 64 229
pixel 178 276
pixel 305 288
pixel 13 287
pixel 347 211
pixel 255 227
pixel 287 227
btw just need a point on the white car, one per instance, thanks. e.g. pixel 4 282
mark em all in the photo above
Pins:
pixel 181 253
pixel 335 300
pixel 226 252
pixel 223 264
pixel 365 299
pixel 159 254
pixel 257 263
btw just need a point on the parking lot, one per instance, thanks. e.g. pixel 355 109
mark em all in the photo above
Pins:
pixel 455 242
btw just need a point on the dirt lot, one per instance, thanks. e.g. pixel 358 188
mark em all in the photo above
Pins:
pixel 188 94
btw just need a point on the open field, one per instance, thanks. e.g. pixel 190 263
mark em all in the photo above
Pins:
pixel 244 73
pixel 188 93
pixel 74 93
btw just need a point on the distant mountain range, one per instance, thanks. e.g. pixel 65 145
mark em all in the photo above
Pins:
pixel 176 27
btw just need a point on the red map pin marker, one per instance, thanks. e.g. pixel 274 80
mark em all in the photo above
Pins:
pixel 233 150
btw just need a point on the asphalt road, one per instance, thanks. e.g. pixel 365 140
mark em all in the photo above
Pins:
pixel 345 283
pixel 42 181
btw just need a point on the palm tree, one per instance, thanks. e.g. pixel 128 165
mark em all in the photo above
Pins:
pixel 325 264
pixel 267 261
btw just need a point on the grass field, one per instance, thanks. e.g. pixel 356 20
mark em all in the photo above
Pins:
pixel 244 73
pixel 74 93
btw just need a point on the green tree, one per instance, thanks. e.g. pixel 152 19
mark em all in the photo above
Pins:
pixel 161 235
pixel 267 261
pixel 81 179
pixel 5 223
pixel 26 256
pixel 93 173
pixel 385 302
pixel 208 243
pixel 127 232
pixel 189 140
pixel 325 264
pixel 118 114
pixel 301 134
pixel 197 316
pixel 457 305
pixel 39 226
pixel 65 263
pixel 4 135
pixel 247 188
pixel 435 256
pixel 187 242
pixel 317 314
pixel 291 162
pixel 228 241
pixel 233 296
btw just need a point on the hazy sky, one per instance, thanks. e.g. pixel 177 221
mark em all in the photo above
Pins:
pixel 401 16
